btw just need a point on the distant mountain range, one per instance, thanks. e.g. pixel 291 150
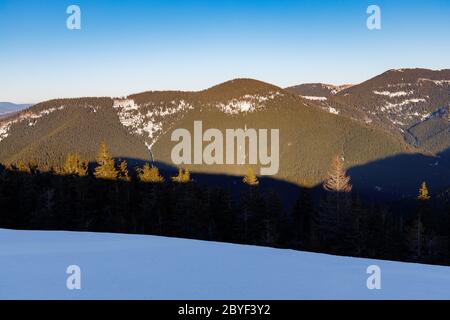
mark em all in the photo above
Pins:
pixel 8 107
pixel 411 103
pixel 386 128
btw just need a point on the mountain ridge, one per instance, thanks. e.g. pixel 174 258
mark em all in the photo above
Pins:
pixel 403 102
pixel 140 128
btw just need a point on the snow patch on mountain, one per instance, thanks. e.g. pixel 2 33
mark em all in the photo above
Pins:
pixel 393 94
pixel 30 116
pixel 247 103
pixel 333 110
pixel 390 105
pixel 436 82
pixel 147 120
pixel 4 129
pixel 314 98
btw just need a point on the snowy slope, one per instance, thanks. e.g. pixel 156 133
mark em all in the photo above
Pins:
pixel 33 265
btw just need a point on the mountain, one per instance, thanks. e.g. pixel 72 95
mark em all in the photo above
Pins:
pixel 152 267
pixel 317 91
pixel 140 128
pixel 8 107
pixel 411 103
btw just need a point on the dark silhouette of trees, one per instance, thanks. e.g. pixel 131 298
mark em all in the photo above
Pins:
pixel 113 198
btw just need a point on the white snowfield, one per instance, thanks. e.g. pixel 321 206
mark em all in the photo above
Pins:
pixel 33 265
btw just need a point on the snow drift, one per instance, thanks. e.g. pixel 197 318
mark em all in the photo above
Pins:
pixel 33 265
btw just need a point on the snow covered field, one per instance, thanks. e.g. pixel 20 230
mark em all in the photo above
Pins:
pixel 33 266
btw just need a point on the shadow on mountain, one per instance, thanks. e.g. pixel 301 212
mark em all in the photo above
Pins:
pixel 400 176
pixel 392 179
pixel 287 191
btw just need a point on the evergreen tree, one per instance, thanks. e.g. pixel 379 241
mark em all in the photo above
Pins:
pixel 21 166
pixel 418 228
pixel 252 213
pixel 152 208
pixel 150 174
pixel 106 168
pixel 355 235
pixel 184 176
pixel 337 180
pixel 250 178
pixel 336 205
pixel 305 221
pixel 123 172
pixel 271 221
pixel 423 192
pixel 222 214
pixel 74 165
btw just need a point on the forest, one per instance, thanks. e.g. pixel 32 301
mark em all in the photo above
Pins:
pixel 108 196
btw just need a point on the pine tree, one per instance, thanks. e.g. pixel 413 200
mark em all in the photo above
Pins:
pixel 184 176
pixel 250 178
pixel 150 174
pixel 271 221
pixel 123 171
pixel 337 180
pixel 417 232
pixel 252 212
pixel 106 168
pixel 305 221
pixel 74 165
pixel 415 239
pixel 222 215
pixel 21 166
pixel 336 206
pixel 423 192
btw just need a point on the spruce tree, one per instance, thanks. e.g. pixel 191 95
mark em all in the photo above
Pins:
pixel 335 205
pixel 423 192
pixel 337 180
pixel 106 168
pixel 184 176
pixel 271 221
pixel 222 215
pixel 21 166
pixel 150 174
pixel 250 178
pixel 418 228
pixel 74 165
pixel 305 221
pixel 123 172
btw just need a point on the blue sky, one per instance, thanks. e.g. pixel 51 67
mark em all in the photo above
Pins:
pixel 125 47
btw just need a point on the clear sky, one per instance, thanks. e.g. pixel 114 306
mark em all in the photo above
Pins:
pixel 125 47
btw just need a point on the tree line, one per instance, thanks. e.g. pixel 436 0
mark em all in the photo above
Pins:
pixel 111 198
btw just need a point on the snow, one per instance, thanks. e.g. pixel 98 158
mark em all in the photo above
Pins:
pixel 4 130
pixel 150 124
pixel 389 105
pixel 125 103
pixel 313 98
pixel 394 94
pixel 237 106
pixel 247 103
pixel 31 117
pixel 33 266
pixel 333 110
pixel 436 82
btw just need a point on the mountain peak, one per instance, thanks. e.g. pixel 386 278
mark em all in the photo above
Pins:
pixel 237 88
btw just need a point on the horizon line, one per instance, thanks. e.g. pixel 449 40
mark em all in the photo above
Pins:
pixel 223 82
